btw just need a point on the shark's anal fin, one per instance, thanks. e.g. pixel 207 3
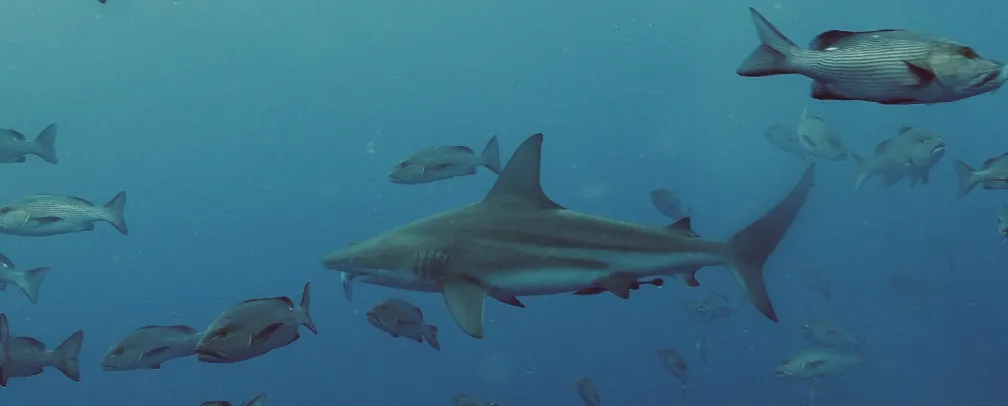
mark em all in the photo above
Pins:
pixel 465 303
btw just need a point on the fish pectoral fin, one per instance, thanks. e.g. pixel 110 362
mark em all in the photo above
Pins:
pixel 618 285
pixel 820 91
pixel 924 75
pixel 87 227
pixel 465 303
pixel 46 219
pixel 266 332
pixel 155 351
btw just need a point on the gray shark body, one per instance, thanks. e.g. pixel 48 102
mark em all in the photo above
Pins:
pixel 518 242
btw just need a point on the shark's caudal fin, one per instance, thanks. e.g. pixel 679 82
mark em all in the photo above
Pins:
pixel 750 248
pixel 491 155
pixel 65 356
pixel 45 144
pixel 115 208
pixel 30 281
pixel 517 187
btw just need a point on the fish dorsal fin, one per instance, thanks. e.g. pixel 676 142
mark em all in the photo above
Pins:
pixel 462 148
pixel 881 147
pixel 80 199
pixel 6 262
pixel 12 134
pixel 986 164
pixel 839 38
pixel 286 300
pixel 519 184
pixel 179 328
pixel 28 342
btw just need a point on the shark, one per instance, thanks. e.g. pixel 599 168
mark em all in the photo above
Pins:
pixel 518 242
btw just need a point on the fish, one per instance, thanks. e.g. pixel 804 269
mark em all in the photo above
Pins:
pixel 14 146
pixel 819 139
pixel 812 399
pixel 786 139
pixel 816 363
pixel 255 327
pixel 993 175
pixel 259 400
pixel 703 349
pixel 675 365
pixel 817 281
pixel 668 204
pixel 28 281
pixel 437 163
pixel 462 399
pixel 712 307
pixel 44 215
pixel 26 356
pixel 149 347
pixel 883 66
pixel 519 242
pixel 399 317
pixel 911 153
pixel 827 334
pixel 586 389
pixel 1002 222
pixel 634 285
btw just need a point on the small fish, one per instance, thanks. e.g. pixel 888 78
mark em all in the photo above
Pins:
pixel 399 317
pixel 668 204
pixel 787 140
pixel 817 281
pixel 827 334
pixel 815 363
pixel 149 347
pixel 462 399
pixel 28 281
pixel 703 349
pixel 254 327
pixel 883 66
pixel 1002 222
pixel 911 153
pixel 632 284
pixel 819 139
pixel 14 147
pixel 26 356
pixel 993 175
pixel 676 365
pixel 259 400
pixel 43 215
pixel 436 163
pixel 710 308
pixel 586 389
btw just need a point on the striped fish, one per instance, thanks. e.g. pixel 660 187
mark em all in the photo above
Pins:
pixel 43 215
pixel 884 66
pixel 27 356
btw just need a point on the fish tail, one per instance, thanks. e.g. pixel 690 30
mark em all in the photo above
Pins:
pixel 66 356
pixel 491 155
pixel 750 248
pixel 773 55
pixel 306 318
pixel 45 146
pixel 30 281
pixel 115 208
pixel 862 167
pixel 4 348
pixel 967 177
pixel 431 337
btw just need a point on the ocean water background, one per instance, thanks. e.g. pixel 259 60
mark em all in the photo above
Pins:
pixel 254 136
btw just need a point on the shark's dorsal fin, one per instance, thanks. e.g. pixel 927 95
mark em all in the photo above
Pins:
pixel 518 184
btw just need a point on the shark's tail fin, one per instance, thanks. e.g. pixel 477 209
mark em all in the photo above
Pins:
pixel 65 356
pixel 750 248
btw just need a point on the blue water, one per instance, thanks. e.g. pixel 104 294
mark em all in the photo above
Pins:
pixel 254 136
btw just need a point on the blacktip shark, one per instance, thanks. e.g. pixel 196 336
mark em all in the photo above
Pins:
pixel 518 242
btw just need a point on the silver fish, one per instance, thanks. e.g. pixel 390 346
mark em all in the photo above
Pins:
pixel 816 363
pixel 703 348
pixel 675 365
pixel 911 153
pixel 149 347
pixel 992 175
pixel 399 317
pixel 668 204
pixel 259 400
pixel 254 327
pixel 819 139
pixel 437 163
pixel 26 356
pixel 827 334
pixel 43 215
pixel 712 307
pixel 588 393
pixel 883 66
pixel 28 281
pixel 786 138
pixel 518 242
pixel 14 147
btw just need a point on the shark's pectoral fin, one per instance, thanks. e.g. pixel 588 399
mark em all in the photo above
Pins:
pixel 465 303
pixel 510 300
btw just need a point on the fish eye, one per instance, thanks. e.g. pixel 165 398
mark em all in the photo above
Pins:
pixel 403 165
pixel 222 333
pixel 119 351
pixel 968 53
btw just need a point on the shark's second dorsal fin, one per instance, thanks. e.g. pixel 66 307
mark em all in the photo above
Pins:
pixel 518 184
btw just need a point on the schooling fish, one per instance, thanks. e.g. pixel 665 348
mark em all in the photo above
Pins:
pixel 437 163
pixel 14 147
pixel 43 215
pixel 992 175
pixel 28 281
